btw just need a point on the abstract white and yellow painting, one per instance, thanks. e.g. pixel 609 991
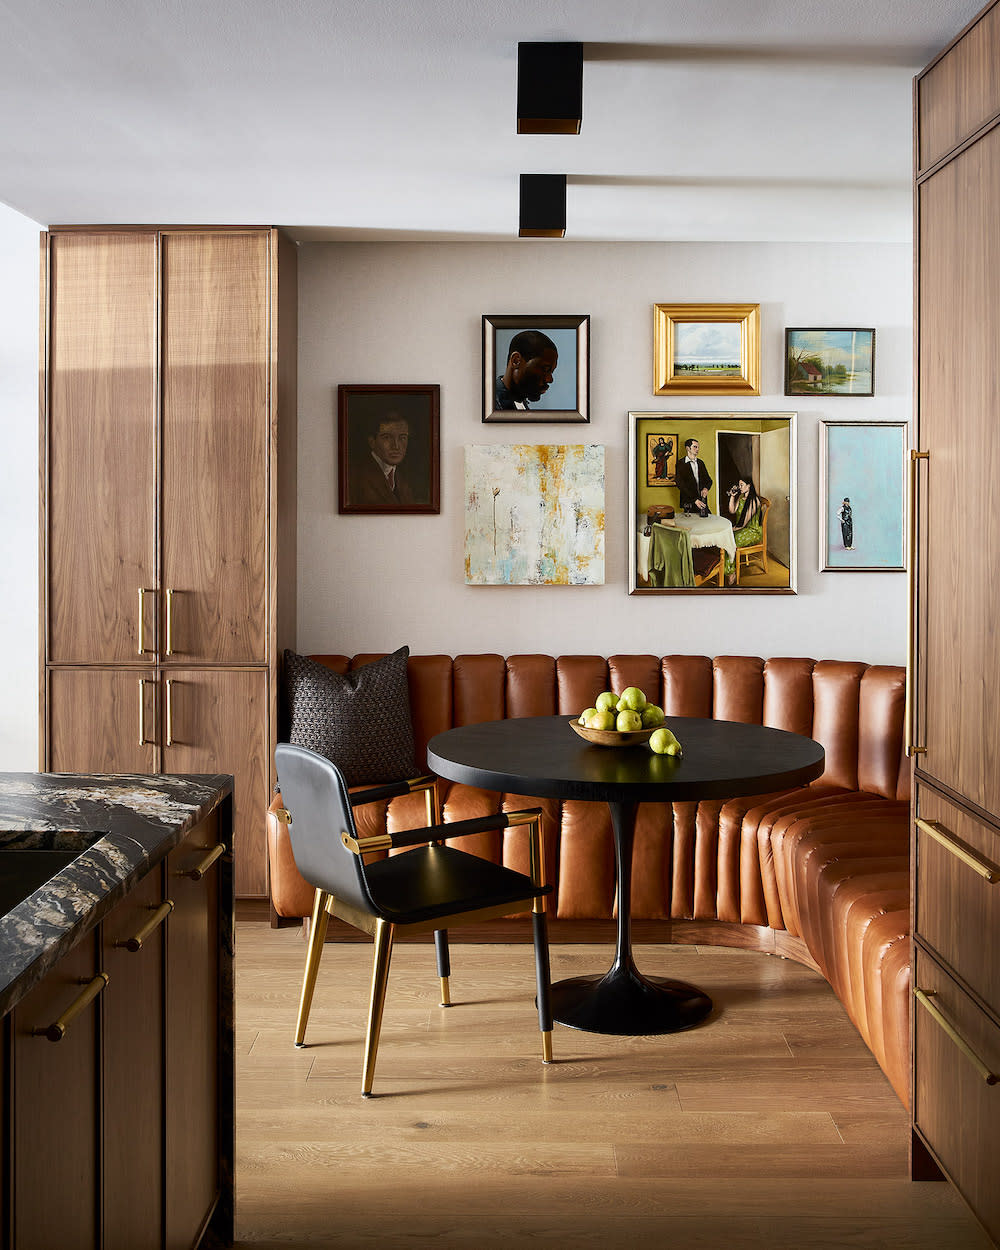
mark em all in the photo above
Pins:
pixel 534 515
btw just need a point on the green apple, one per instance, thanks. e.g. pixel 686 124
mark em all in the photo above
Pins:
pixel 663 742
pixel 586 714
pixel 607 701
pixel 632 700
pixel 652 716
pixel 602 720
pixel 628 721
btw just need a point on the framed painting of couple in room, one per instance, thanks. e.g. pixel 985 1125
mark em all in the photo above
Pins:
pixel 536 368
pixel 711 502
pixel 389 453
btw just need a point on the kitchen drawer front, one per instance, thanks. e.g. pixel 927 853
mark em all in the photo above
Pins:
pixel 955 1108
pixel 956 904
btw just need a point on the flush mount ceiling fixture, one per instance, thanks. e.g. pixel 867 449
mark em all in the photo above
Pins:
pixel 549 88
pixel 543 206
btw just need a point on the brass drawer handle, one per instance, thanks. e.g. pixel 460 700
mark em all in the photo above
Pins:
pixel 169 613
pixel 972 859
pixel 143 592
pixel 169 688
pixel 134 943
pixel 924 997
pixel 910 701
pixel 198 871
pixel 57 1031
pixel 143 741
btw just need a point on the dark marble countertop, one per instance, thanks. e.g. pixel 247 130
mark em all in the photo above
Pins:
pixel 104 833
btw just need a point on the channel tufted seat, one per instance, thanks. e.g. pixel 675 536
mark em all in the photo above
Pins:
pixel 819 874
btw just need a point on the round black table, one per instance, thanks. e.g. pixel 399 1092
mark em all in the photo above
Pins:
pixel 543 756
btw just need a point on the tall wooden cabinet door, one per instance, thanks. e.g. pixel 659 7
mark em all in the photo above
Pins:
pixel 216 413
pixel 57 1116
pixel 132 1063
pixel 959 656
pixel 101 721
pixel 193 1031
pixel 215 721
pixel 100 523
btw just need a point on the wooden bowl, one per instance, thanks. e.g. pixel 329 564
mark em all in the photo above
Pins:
pixel 611 737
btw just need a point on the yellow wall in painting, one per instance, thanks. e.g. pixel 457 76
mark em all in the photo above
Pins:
pixel 703 427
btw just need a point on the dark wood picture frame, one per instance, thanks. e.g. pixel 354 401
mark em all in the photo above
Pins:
pixel 413 411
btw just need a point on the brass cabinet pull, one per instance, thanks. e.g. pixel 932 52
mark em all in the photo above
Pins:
pixel 169 692
pixel 924 998
pixel 170 622
pixel 57 1031
pixel 972 859
pixel 198 871
pixel 143 741
pixel 143 592
pixel 134 943
pixel 909 717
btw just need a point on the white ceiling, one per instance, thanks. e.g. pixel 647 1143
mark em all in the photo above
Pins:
pixel 381 119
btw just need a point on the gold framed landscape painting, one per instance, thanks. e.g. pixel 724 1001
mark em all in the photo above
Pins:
pixel 723 519
pixel 706 349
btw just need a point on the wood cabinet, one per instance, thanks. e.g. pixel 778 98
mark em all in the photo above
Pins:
pixel 168 506
pixel 956 654
pixel 121 1131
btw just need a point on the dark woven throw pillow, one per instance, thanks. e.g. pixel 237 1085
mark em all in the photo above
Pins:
pixel 359 720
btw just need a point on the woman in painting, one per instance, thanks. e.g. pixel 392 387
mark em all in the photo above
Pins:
pixel 846 523
pixel 744 510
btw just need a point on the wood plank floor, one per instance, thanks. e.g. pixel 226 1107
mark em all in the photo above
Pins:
pixel 770 1126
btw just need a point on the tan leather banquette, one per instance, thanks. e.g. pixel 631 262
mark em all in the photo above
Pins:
pixel 819 874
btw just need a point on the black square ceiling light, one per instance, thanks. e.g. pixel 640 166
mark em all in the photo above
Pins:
pixel 543 206
pixel 549 88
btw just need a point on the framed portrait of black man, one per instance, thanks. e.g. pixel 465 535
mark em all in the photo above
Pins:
pixel 389 449
pixel 536 368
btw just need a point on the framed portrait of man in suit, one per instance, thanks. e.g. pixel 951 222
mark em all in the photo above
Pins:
pixel 389 453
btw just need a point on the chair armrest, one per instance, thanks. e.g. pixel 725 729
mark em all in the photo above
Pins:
pixel 437 833
pixel 391 790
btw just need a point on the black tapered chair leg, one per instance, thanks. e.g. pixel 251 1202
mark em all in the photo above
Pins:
pixel 543 982
pixel 443 964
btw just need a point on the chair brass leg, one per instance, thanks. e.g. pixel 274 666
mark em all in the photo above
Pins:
pixel 380 979
pixel 543 982
pixel 317 936
pixel 443 964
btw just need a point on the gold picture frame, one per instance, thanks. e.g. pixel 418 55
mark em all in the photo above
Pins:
pixel 706 349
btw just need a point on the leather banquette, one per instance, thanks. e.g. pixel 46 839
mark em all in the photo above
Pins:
pixel 819 874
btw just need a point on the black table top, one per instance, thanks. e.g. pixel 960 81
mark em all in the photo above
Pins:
pixel 542 756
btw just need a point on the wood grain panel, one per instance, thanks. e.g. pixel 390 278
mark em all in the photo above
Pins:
pixel 133 1074
pixel 94 723
pixel 961 91
pixel 955 906
pixel 218 724
pixel 215 387
pixel 101 497
pixel 959 397
pixel 56 1128
pixel 954 1109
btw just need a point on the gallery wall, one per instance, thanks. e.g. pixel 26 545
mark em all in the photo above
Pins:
pixel 411 313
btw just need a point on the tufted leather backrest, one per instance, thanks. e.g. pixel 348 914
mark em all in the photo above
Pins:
pixel 855 710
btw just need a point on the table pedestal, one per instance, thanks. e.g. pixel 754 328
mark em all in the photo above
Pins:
pixel 623 1001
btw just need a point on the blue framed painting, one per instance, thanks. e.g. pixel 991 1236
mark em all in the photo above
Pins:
pixel 862 494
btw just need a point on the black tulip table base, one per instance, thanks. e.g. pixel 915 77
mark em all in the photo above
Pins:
pixel 625 1002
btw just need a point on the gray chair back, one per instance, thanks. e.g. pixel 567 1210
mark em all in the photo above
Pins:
pixel 313 791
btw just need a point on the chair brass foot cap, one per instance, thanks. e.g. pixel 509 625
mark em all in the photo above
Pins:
pixel 300 1045
pixel 446 1004
pixel 367 1094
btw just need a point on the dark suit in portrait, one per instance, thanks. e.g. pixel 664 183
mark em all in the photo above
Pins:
pixel 369 486
pixel 690 490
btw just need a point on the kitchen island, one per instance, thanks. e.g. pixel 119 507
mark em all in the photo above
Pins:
pixel 116 990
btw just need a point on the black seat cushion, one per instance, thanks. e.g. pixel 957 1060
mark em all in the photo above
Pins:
pixel 433 881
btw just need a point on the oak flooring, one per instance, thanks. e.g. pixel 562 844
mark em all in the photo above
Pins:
pixel 769 1126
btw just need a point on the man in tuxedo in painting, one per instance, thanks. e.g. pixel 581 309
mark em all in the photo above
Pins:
pixel 377 481
pixel 693 480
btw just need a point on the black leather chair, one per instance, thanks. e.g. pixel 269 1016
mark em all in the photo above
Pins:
pixel 428 889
